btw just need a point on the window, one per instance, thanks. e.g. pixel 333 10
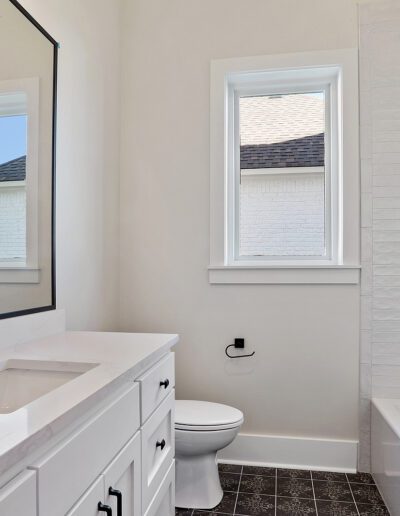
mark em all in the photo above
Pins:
pixel 19 105
pixel 277 161
pixel 13 151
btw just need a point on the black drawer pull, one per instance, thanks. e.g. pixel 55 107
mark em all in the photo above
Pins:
pixel 164 384
pixel 118 495
pixel 104 508
pixel 160 444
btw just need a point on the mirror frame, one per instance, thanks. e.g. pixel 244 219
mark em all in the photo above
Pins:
pixel 56 46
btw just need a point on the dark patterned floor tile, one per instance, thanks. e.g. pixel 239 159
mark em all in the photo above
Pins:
pixel 295 487
pixel 255 505
pixel 259 470
pixel 294 506
pixel 336 508
pixel 329 490
pixel 360 478
pixel 227 504
pixel 229 468
pixel 294 473
pixel 368 494
pixel 257 484
pixel 212 513
pixel 229 481
pixel 329 475
pixel 183 512
pixel 372 510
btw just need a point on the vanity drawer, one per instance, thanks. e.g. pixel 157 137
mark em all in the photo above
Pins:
pixel 67 470
pixel 163 503
pixel 152 392
pixel 18 497
pixel 158 448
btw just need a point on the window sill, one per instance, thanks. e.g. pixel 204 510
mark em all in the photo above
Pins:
pixel 285 274
pixel 19 275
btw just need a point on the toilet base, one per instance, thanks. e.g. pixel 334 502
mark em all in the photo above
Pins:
pixel 197 482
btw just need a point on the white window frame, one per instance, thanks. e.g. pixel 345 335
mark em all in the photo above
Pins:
pixel 28 270
pixel 335 73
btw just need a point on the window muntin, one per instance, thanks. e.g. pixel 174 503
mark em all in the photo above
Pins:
pixel 282 187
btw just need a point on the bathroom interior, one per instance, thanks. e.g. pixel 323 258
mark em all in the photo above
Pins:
pixel 199 257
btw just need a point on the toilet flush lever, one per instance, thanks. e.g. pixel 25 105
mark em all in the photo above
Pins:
pixel 164 384
pixel 238 344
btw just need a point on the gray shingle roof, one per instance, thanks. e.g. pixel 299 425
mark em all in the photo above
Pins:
pixel 14 170
pixel 301 152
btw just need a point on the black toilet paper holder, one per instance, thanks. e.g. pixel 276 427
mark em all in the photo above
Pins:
pixel 238 344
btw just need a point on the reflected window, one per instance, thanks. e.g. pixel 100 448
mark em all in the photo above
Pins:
pixel 13 152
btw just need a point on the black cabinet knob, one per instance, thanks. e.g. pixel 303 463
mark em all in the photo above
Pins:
pixel 161 444
pixel 118 495
pixel 164 384
pixel 104 508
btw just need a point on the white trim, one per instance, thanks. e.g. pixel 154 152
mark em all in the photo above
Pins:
pixel 29 87
pixel 284 274
pixel 19 274
pixel 12 184
pixel 344 189
pixel 292 452
pixel 281 171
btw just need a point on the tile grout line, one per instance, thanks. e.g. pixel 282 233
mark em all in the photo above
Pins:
pixel 313 490
pixel 237 494
pixel 352 495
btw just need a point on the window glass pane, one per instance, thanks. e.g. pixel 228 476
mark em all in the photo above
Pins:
pixel 282 175
pixel 13 149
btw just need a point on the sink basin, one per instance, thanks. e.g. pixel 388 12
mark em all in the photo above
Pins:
pixel 23 381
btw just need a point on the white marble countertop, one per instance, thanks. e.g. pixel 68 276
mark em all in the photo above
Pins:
pixel 117 355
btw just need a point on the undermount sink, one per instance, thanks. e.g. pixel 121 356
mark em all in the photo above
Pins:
pixel 23 381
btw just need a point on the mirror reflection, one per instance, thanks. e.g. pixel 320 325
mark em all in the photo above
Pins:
pixel 28 57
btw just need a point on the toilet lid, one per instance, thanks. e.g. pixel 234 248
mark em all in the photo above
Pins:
pixel 204 415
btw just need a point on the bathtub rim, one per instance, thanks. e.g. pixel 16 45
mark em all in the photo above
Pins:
pixel 390 413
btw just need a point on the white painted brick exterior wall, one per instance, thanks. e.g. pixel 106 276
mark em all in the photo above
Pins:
pixel 282 214
pixel 12 223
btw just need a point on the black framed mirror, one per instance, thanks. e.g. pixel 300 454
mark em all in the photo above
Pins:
pixel 28 101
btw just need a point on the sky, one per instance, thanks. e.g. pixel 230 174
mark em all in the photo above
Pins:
pixel 12 137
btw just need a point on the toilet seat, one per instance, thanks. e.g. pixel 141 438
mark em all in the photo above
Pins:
pixel 191 415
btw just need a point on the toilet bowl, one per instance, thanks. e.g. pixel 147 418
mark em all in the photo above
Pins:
pixel 201 429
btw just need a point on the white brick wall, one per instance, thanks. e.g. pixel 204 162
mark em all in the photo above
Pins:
pixel 282 214
pixel 12 223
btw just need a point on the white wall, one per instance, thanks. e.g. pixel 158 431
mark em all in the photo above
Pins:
pixel 303 379
pixel 282 214
pixel 87 156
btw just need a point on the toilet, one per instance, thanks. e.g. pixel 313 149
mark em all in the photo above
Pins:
pixel 201 430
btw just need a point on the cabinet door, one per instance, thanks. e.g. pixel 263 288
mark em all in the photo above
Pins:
pixel 18 497
pixel 87 504
pixel 163 503
pixel 124 476
pixel 158 448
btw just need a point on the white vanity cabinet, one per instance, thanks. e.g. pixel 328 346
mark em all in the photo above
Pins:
pixel 122 480
pixel 18 497
pixel 87 505
pixel 117 488
pixel 121 456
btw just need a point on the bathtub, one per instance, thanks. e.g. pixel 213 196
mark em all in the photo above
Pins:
pixel 385 450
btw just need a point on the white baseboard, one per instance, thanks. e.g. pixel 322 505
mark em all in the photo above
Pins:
pixel 292 452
